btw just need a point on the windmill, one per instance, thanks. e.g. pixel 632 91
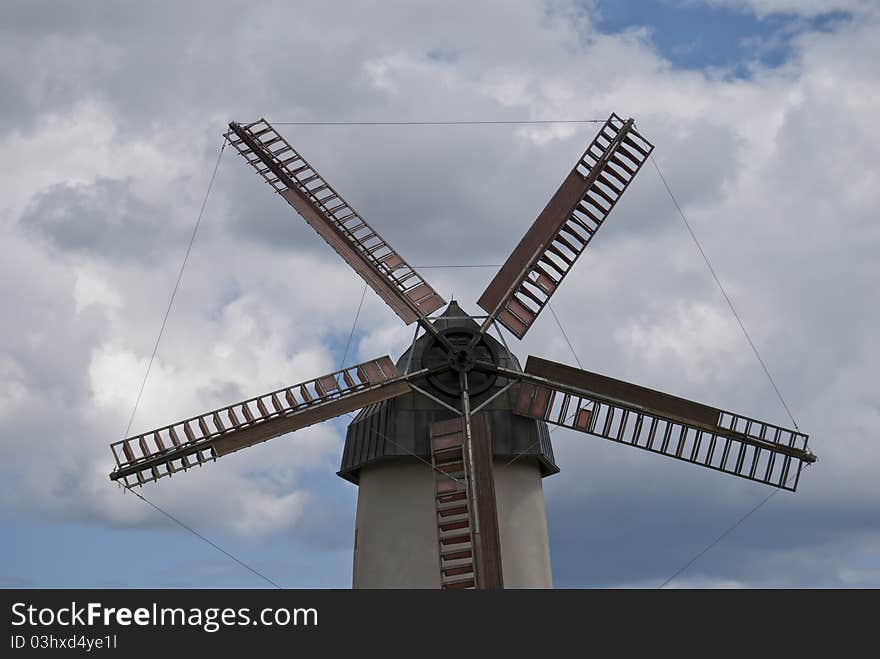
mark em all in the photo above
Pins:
pixel 451 442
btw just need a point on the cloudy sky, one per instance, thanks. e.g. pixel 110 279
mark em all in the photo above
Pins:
pixel 764 115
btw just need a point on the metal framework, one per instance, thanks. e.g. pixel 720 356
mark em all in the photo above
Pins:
pixel 661 423
pixel 163 451
pixel 565 227
pixel 470 553
pixel 361 246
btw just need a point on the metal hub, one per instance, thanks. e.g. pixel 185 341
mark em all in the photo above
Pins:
pixel 461 358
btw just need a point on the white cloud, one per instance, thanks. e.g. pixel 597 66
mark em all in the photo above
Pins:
pixel 776 173
pixel 695 339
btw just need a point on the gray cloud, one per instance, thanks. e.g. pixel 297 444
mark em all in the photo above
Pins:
pixel 112 120
pixel 101 220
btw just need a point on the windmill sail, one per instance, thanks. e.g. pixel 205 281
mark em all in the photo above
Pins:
pixel 164 451
pixel 662 423
pixel 393 279
pixel 560 234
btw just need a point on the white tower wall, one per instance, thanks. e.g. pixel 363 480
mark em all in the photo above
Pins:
pixel 396 528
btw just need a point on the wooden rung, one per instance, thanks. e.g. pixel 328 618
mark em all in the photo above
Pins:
pixel 512 323
pixel 605 135
pixel 595 189
pixel 291 399
pixel 326 384
pixel 447 442
pixel 455 496
pixel 450 512
pixel 565 241
pixel 545 283
pixel 625 167
pixel 190 435
pixel 456 539
pixel 447 485
pixel 448 455
pixel 521 311
pixel 458 569
pixel 583 225
pixel 632 144
pixel 541 403
pixel 596 204
pixel 553 249
pixel 586 210
pixel 419 292
pixel 456 555
pixel 605 181
pixel 369 373
pixel 617 175
pixel 392 261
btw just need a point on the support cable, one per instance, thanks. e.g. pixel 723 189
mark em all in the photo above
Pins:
pixel 572 415
pixel 729 529
pixel 565 336
pixel 437 123
pixel 208 540
pixel 192 240
pixel 353 326
pixel 480 265
pixel 751 343
pixel 150 366
pixel 724 293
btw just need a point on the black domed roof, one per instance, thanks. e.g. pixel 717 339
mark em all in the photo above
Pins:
pixel 398 427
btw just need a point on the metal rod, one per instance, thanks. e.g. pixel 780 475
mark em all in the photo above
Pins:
pixel 495 324
pixel 494 396
pixel 435 399
pixel 469 471
pixel 412 349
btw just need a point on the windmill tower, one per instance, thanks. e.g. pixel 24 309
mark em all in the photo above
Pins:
pixel 400 451
pixel 451 442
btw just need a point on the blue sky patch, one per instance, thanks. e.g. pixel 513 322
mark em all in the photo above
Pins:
pixel 697 36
